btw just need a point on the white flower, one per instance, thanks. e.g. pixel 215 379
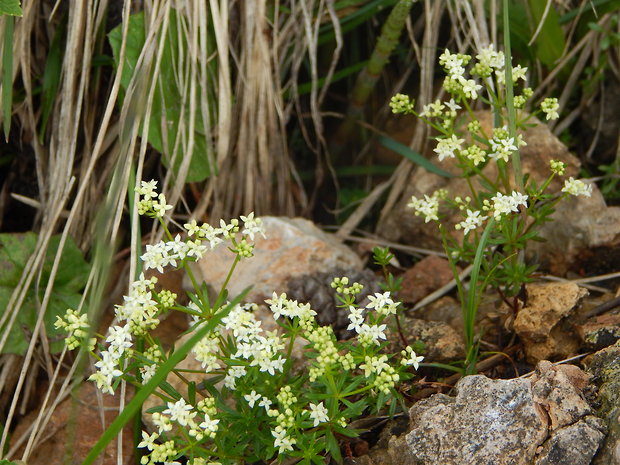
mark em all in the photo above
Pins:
pixel 147 372
pixel 252 226
pixel 147 189
pixel 318 413
pixel 265 403
pixel 472 221
pixel 148 441
pixel 503 204
pixel 470 88
pixel 209 424
pixel 489 57
pixel 502 148
pixel 232 374
pixel 119 338
pixel 251 398
pixel 518 72
pixel 180 411
pixel 453 106
pixel 411 358
pixel 108 365
pixel 371 333
pixel 550 107
pixel 453 64
pixel 282 441
pixel 447 147
pixel 161 206
pixel 577 187
pixel 374 365
pixel 428 207
pixel 192 228
pixel 379 300
pixel 356 317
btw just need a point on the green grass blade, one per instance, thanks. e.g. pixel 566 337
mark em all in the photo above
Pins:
pixel 51 76
pixel 413 156
pixel 133 407
pixel 474 294
pixel 7 75
pixel 306 87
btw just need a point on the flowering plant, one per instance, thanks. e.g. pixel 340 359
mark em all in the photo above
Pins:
pixel 502 212
pixel 258 399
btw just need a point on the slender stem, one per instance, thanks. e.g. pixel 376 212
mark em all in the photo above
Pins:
pixel 512 120
pixel 226 281
pixel 474 294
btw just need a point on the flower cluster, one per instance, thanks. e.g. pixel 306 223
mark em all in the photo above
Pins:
pixel 253 377
pixel 577 187
pixel 510 206
pixel 501 204
pixel 76 325
pixel 428 207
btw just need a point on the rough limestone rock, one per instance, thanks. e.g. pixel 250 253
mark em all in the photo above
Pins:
pixel 441 341
pixel 505 422
pixel 542 324
pixel 292 247
pixel 574 444
pixel 604 366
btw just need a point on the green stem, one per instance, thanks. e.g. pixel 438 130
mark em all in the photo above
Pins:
pixel 512 119
pixel 220 296
pixel 473 298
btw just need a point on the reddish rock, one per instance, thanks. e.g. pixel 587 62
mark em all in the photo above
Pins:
pixel 426 276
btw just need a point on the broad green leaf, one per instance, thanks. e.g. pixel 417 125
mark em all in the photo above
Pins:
pixel 167 111
pixel 550 41
pixel 11 7
pixel 15 250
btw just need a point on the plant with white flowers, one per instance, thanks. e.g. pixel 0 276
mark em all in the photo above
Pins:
pixel 502 213
pixel 256 402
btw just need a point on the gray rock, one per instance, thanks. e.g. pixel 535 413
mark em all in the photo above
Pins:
pixel 292 247
pixel 492 422
pixel 507 422
pixel 574 444
pixel 605 369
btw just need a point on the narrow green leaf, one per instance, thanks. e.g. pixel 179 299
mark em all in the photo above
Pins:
pixel 7 75
pixel 160 375
pixel 413 156
pixel 51 75
pixel 306 87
